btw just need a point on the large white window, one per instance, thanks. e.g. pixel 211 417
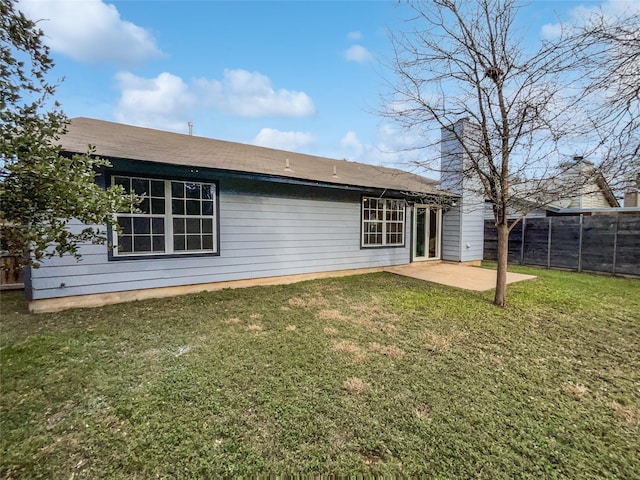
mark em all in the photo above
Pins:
pixel 175 217
pixel 382 222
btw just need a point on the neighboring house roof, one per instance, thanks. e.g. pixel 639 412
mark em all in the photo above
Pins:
pixel 606 191
pixel 114 140
pixel 579 186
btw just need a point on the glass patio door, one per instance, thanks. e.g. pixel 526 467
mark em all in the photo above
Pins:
pixel 427 221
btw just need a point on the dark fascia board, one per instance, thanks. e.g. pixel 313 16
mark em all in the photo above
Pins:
pixel 126 165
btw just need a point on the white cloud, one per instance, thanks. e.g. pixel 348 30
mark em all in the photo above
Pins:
pixel 354 35
pixel 91 31
pixel 391 147
pixel 250 94
pixel 292 141
pixel 358 54
pixel 610 9
pixel 162 102
pixel 352 144
pixel 168 102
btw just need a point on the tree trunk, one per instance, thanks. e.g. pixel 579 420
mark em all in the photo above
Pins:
pixel 501 279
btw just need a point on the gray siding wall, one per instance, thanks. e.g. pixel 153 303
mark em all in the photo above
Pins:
pixel 463 226
pixel 472 231
pixel 451 235
pixel 265 231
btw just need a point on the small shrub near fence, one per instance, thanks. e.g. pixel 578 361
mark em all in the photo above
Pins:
pixel 590 243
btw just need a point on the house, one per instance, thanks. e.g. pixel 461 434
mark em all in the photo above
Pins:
pixel 221 214
pixel 579 188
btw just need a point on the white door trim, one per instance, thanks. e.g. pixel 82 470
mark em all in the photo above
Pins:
pixel 438 234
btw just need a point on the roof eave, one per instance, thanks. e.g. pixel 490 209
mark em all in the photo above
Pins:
pixel 372 189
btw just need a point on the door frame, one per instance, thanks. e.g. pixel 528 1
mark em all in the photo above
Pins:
pixel 414 229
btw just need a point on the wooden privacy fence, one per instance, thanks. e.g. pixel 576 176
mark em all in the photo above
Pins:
pixel 10 272
pixel 590 243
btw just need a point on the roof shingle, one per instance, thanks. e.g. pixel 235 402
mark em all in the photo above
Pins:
pixel 114 140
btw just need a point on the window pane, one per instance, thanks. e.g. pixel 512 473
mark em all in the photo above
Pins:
pixel 374 227
pixel 144 206
pixel 193 242
pixel 124 244
pixel 178 225
pixel 125 225
pixel 157 205
pixel 157 225
pixel 207 208
pixel 158 243
pixel 142 243
pixel 207 225
pixel 207 242
pixel 140 186
pixel 193 225
pixel 141 225
pixel 207 192
pixel 125 182
pixel 157 188
pixel 192 190
pixel 177 189
pixel 193 207
pixel 177 207
pixel 178 242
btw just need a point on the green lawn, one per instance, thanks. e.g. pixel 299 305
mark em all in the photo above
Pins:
pixel 374 374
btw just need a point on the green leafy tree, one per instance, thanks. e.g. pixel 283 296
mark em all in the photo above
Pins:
pixel 41 190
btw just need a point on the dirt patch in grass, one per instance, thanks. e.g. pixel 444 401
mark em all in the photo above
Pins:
pixel 332 314
pixel 373 310
pixel 387 350
pixel 437 343
pixel 291 328
pixel 422 411
pixel 330 331
pixel 233 321
pixel 630 414
pixel 354 385
pixel 255 328
pixel 363 322
pixel 576 390
pixel 357 354
pixel 308 302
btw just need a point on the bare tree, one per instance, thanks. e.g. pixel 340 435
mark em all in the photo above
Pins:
pixel 515 110
pixel 611 44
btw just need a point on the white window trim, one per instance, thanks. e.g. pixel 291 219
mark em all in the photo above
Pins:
pixel 168 217
pixel 384 222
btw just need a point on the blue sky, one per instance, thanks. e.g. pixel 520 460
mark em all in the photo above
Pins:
pixel 298 75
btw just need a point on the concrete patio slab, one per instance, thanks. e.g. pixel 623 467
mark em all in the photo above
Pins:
pixel 456 275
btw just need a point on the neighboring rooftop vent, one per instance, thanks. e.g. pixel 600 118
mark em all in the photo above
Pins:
pixel 190 124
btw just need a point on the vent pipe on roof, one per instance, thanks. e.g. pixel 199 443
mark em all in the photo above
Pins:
pixel 335 171
pixel 286 165
pixel 190 124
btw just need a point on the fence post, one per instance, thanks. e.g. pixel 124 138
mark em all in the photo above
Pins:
pixel 615 244
pixel 524 224
pixel 580 246
pixel 549 244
